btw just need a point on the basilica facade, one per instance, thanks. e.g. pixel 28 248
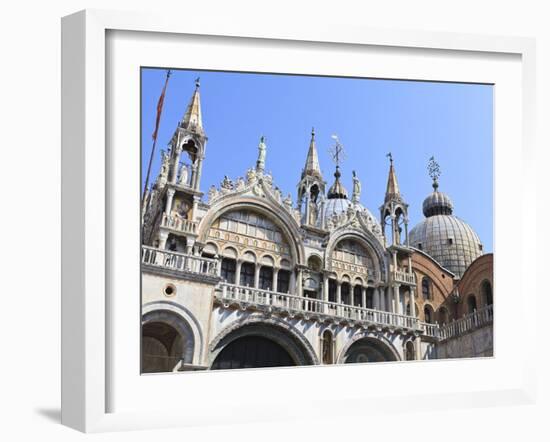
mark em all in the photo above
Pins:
pixel 244 276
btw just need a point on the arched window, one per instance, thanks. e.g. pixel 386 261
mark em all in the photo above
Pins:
pixel 247 274
pixel 314 192
pixel 228 270
pixel 426 287
pixel 266 278
pixel 314 263
pixel 332 290
pixel 357 295
pixel 283 281
pixel 428 314
pixel 327 347
pixel 409 351
pixel 472 304
pixel 487 293
pixel 345 293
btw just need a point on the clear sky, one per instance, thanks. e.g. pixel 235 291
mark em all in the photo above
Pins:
pixel 414 120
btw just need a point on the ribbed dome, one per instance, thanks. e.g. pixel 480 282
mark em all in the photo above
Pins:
pixel 447 239
pixel 437 203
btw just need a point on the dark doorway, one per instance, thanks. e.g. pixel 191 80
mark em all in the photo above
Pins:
pixel 161 348
pixel 252 352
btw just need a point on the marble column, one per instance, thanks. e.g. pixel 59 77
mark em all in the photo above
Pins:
pixel 325 288
pixel 338 292
pixel 292 288
pixel 175 166
pixel 238 272
pixel 198 174
pixel 169 198
pixel 363 297
pixel 299 283
pixel 275 275
pixel 163 237
pixel 306 216
pixel 376 299
pixel 382 298
pixel 193 174
pixel 412 303
pixel 257 276
pixel 396 303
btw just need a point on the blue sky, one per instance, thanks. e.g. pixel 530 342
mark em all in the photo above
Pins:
pixel 414 120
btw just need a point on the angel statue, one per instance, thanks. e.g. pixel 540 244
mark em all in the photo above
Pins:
pixel 262 149
pixel 356 188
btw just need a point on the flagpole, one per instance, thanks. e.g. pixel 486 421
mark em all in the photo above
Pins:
pixel 159 111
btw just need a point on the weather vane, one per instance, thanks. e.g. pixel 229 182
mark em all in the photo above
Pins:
pixel 337 151
pixel 198 81
pixel 434 171
pixel 389 155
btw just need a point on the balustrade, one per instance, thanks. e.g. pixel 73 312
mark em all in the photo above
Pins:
pixel 179 224
pixel 403 277
pixel 476 319
pixel 231 292
pixel 179 261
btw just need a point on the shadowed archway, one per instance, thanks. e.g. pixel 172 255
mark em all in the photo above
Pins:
pixel 252 352
pixel 368 349
pixel 259 344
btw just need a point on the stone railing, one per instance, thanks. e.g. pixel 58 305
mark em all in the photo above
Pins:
pixel 403 277
pixel 179 224
pixel 431 330
pixel 467 323
pixel 179 262
pixel 313 307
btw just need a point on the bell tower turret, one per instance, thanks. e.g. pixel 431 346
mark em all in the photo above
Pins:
pixel 394 211
pixel 311 188
pixel 172 219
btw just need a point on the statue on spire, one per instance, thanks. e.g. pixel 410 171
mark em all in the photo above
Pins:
pixel 434 171
pixel 356 188
pixel 262 150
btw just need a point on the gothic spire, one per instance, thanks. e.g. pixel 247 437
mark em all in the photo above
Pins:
pixel 312 167
pixel 192 120
pixel 392 189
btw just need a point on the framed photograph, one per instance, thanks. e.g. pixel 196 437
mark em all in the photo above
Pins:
pixel 262 209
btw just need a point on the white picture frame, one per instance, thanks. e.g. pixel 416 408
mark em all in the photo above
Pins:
pixel 87 314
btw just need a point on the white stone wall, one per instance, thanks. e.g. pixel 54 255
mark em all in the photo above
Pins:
pixel 478 343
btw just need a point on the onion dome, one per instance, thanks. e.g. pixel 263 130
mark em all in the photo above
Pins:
pixel 437 203
pixel 445 237
pixel 337 190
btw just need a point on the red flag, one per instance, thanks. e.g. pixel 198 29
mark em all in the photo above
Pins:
pixel 159 106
